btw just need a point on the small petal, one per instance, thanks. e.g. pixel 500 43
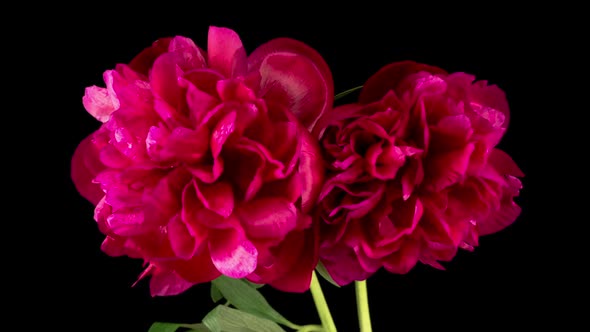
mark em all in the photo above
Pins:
pixel 232 253
pixel 226 52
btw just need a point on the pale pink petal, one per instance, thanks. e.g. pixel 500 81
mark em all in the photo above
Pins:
pixel 232 253
pixel 99 103
pixel 85 166
pixel 267 217
pixel 225 52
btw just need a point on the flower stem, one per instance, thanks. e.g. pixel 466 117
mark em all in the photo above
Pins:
pixel 321 304
pixel 311 328
pixel 362 305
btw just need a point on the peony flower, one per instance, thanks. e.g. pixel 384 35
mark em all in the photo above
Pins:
pixel 204 166
pixel 414 172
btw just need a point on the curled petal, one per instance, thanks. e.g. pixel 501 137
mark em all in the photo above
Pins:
pixel 295 81
pixel 143 62
pixel 217 197
pixel 226 52
pixel 85 167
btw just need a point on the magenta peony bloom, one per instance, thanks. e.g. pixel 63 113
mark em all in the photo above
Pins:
pixel 413 171
pixel 204 164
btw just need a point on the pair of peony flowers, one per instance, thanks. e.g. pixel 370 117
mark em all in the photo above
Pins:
pixel 216 162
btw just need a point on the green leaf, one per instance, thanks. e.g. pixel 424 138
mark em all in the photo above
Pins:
pixel 173 327
pixel 324 273
pixel 215 294
pixel 224 319
pixel 253 285
pixel 244 297
pixel 347 92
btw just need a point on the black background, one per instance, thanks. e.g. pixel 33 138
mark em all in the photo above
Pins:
pixel 509 280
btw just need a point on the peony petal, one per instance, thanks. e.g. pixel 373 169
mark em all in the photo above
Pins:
pixel 99 103
pixel 342 264
pixel 447 168
pixel 390 77
pixel 199 103
pixel 224 128
pixel 225 52
pixel 189 55
pixel 113 246
pixel 195 213
pixel 234 90
pixel 198 269
pixel 404 259
pixel 297 277
pixel 129 222
pixel 267 217
pixel 204 80
pixel 144 61
pixel 162 201
pixel 451 132
pixel 295 81
pixel 217 197
pixel 182 242
pixel 499 219
pixel 288 45
pixel 164 80
pixel 504 164
pixel 85 166
pixel 232 253
pixel 167 283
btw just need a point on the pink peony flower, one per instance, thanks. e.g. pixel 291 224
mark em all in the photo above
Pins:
pixel 413 171
pixel 204 164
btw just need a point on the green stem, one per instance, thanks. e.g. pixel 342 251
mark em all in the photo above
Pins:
pixel 347 92
pixel 362 305
pixel 311 328
pixel 321 304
